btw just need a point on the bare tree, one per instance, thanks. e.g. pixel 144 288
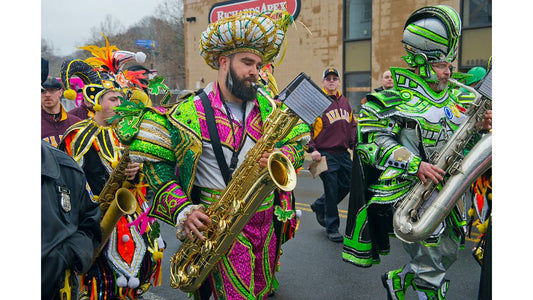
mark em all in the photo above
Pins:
pixel 166 27
pixel 110 27
pixel 171 11
pixel 48 52
pixel 47 48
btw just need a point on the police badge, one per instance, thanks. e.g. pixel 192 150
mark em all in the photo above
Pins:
pixel 65 198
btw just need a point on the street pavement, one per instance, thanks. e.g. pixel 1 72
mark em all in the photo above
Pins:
pixel 311 266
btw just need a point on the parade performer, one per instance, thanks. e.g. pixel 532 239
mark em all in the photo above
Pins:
pixel 180 152
pixel 398 130
pixel 131 259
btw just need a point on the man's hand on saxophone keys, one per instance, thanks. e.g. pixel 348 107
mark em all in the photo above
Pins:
pixel 197 221
pixel 486 123
pixel 263 161
pixel 428 171
pixel 132 170
pixel 487 120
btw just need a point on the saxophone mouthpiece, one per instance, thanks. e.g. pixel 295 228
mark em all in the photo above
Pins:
pixel 259 90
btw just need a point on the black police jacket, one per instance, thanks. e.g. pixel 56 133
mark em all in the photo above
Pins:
pixel 70 219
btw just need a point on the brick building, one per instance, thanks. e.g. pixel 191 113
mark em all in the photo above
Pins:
pixel 361 38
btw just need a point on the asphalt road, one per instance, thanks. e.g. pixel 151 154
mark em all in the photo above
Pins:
pixel 312 267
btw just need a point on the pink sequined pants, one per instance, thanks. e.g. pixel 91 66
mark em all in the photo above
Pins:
pixel 247 271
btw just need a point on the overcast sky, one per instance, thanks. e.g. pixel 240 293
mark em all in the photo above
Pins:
pixel 67 24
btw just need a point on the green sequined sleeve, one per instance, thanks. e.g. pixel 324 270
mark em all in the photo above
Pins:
pixel 154 147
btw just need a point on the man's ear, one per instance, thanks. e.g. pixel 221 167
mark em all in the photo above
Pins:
pixel 224 62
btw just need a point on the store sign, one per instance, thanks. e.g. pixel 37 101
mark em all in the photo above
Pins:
pixel 230 8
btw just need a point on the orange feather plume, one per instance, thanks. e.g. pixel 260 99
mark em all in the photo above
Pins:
pixel 103 56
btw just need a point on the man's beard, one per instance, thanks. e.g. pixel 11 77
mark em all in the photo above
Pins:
pixel 442 85
pixel 439 86
pixel 238 87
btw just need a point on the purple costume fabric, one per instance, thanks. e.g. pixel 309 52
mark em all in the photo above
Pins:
pixel 248 267
pixel 254 124
pixel 242 270
pixel 247 270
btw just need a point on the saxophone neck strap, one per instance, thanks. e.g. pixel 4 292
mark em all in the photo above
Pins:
pixel 215 138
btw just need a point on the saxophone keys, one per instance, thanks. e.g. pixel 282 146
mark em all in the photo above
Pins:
pixel 176 257
pixel 182 278
pixel 192 271
pixel 222 225
pixel 193 249
pixel 236 205
pixel 413 216
pixel 449 159
pixel 455 168
pixel 207 247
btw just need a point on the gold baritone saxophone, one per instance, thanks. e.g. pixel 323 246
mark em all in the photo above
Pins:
pixel 244 194
pixel 115 201
pixel 416 219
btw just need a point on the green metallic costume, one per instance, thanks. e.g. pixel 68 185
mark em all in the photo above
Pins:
pixel 397 130
pixel 385 122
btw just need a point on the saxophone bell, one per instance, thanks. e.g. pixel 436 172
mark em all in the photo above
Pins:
pixel 123 204
pixel 115 200
pixel 281 171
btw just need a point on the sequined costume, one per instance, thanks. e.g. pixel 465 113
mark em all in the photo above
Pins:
pixel 131 261
pixel 174 144
pixel 390 124
pixel 399 129
pixel 386 123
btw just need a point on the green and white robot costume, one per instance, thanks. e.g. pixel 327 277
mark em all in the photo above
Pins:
pixel 398 129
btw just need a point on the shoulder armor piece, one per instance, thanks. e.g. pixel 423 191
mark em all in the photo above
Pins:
pixel 464 97
pixel 130 115
pixel 383 103
pixel 185 115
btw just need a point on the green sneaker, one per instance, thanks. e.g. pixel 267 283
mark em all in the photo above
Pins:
pixel 396 282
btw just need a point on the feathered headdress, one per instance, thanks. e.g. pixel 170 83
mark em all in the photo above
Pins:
pixel 105 71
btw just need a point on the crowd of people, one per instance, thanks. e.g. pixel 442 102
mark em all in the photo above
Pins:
pixel 116 168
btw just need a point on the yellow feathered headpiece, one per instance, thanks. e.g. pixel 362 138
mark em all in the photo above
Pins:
pixel 105 71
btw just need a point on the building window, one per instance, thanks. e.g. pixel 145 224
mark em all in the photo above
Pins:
pixel 358 16
pixel 477 13
pixel 357 51
pixel 357 87
pixel 476 37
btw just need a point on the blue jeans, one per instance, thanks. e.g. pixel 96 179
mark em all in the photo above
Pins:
pixel 336 181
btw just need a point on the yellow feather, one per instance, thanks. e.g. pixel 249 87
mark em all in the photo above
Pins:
pixel 102 55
